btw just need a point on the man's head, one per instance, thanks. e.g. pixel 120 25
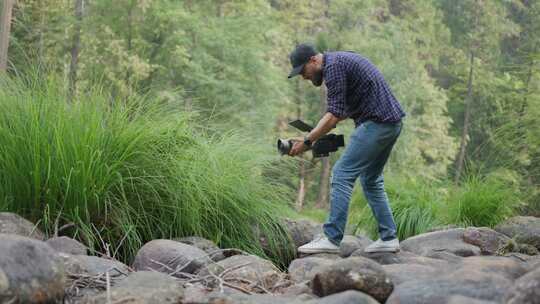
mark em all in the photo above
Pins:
pixel 307 62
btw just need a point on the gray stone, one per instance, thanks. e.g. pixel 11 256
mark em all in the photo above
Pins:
pixel 245 268
pixel 523 229
pixel 302 231
pixel 352 243
pixel 142 287
pixel 450 241
pixel 328 256
pixel 402 257
pixel 401 273
pixel 170 257
pixel 304 269
pixel 467 300
pixel 526 290
pixel 503 266
pixel 66 245
pixel 30 271
pixel 213 251
pixel 468 283
pixel 84 266
pixel 488 240
pixel 11 223
pixel 346 297
pixel 356 273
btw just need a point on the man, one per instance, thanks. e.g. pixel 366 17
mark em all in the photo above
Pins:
pixel 357 90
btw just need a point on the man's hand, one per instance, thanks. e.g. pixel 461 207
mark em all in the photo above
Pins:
pixel 298 146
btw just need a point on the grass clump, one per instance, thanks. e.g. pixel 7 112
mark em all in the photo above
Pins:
pixel 125 172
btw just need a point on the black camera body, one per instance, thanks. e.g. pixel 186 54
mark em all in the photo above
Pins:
pixel 321 148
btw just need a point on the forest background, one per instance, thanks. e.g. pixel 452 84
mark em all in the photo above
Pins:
pixel 128 120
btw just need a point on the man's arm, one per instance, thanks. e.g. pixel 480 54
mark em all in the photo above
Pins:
pixel 327 122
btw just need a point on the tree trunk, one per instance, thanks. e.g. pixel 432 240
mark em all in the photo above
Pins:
pixel 5 28
pixel 75 49
pixel 465 133
pixel 324 180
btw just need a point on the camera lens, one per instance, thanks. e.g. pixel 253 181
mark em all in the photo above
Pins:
pixel 284 146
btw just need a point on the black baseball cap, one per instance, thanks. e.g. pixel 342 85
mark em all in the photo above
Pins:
pixel 300 56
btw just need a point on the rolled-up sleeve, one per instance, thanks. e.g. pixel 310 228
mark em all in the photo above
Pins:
pixel 336 84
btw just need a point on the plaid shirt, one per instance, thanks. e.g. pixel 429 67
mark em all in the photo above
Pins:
pixel 357 90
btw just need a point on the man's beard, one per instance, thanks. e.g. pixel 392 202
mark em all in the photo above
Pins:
pixel 317 79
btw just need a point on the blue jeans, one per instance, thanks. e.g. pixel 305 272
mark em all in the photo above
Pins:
pixel 364 157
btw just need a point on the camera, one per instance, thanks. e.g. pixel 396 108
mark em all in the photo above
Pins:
pixel 321 148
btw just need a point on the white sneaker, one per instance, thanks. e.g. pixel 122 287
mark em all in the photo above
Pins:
pixel 383 246
pixel 320 244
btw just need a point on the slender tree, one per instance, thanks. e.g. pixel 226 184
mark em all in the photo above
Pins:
pixel 5 26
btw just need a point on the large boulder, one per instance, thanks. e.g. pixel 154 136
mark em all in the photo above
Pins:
pixel 353 273
pixel 304 269
pixel 213 251
pixel 244 270
pixel 523 229
pixel 66 245
pixel 11 223
pixel 345 297
pixel 402 257
pixel 30 271
pixel 84 271
pixel 450 241
pixel 401 273
pixel 439 289
pixel 489 241
pixel 352 243
pixel 302 231
pixel 526 290
pixel 170 257
pixel 142 287
pixel 503 266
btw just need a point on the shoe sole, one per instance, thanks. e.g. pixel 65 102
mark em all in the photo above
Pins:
pixel 318 251
pixel 394 250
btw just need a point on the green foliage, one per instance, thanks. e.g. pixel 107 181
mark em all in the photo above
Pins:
pixel 482 202
pixel 128 173
pixel 415 204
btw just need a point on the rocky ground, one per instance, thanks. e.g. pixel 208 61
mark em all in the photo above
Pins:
pixel 452 265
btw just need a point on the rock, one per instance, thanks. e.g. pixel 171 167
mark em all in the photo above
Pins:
pixel 79 266
pixel 401 257
pixel 353 273
pixel 468 283
pixel 213 251
pixel 66 245
pixel 92 266
pixel 450 240
pixel 400 273
pixel 526 290
pixel 170 257
pixel 304 269
pixel 302 231
pixel 503 266
pixel 527 249
pixel 220 298
pixel 11 223
pixel 490 241
pixel 245 267
pixel 30 271
pixel 142 287
pixel 351 243
pixel 446 256
pixel 467 300
pixel 523 229
pixel 328 256
pixel 299 289
pixel 346 297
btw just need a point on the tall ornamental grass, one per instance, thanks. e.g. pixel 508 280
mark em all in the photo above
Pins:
pixel 419 206
pixel 121 173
